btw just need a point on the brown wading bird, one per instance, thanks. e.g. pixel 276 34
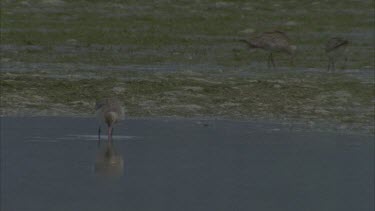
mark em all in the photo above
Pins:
pixel 335 47
pixel 273 42
pixel 109 111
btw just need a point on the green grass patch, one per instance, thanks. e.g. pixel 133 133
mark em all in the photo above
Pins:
pixel 310 97
pixel 184 25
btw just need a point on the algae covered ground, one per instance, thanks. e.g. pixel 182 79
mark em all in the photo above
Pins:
pixel 182 59
pixel 310 97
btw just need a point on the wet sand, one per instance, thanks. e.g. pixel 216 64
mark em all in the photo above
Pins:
pixel 50 163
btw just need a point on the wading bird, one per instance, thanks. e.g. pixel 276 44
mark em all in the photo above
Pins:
pixel 273 42
pixel 335 47
pixel 109 111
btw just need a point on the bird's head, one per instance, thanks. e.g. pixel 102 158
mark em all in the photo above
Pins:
pixel 110 118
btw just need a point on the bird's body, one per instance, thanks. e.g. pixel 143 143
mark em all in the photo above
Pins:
pixel 334 48
pixel 109 111
pixel 273 42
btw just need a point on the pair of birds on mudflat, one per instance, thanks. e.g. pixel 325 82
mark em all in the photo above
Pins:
pixel 279 42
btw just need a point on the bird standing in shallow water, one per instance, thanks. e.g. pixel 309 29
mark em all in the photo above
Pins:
pixel 335 47
pixel 109 111
pixel 273 42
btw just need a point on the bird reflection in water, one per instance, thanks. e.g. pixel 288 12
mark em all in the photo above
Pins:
pixel 108 162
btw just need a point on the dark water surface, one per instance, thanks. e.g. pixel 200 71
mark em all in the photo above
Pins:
pixel 48 163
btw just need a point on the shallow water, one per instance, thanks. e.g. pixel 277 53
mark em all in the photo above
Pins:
pixel 164 164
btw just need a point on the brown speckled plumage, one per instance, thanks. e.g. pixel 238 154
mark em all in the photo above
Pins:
pixel 273 42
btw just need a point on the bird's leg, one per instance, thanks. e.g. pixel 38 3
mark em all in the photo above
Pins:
pixel 329 65
pixel 273 62
pixel 109 134
pixel 333 65
pixel 99 136
pixel 292 60
pixel 269 61
pixel 345 62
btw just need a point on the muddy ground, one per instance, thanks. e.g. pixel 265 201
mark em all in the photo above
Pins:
pixel 182 59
